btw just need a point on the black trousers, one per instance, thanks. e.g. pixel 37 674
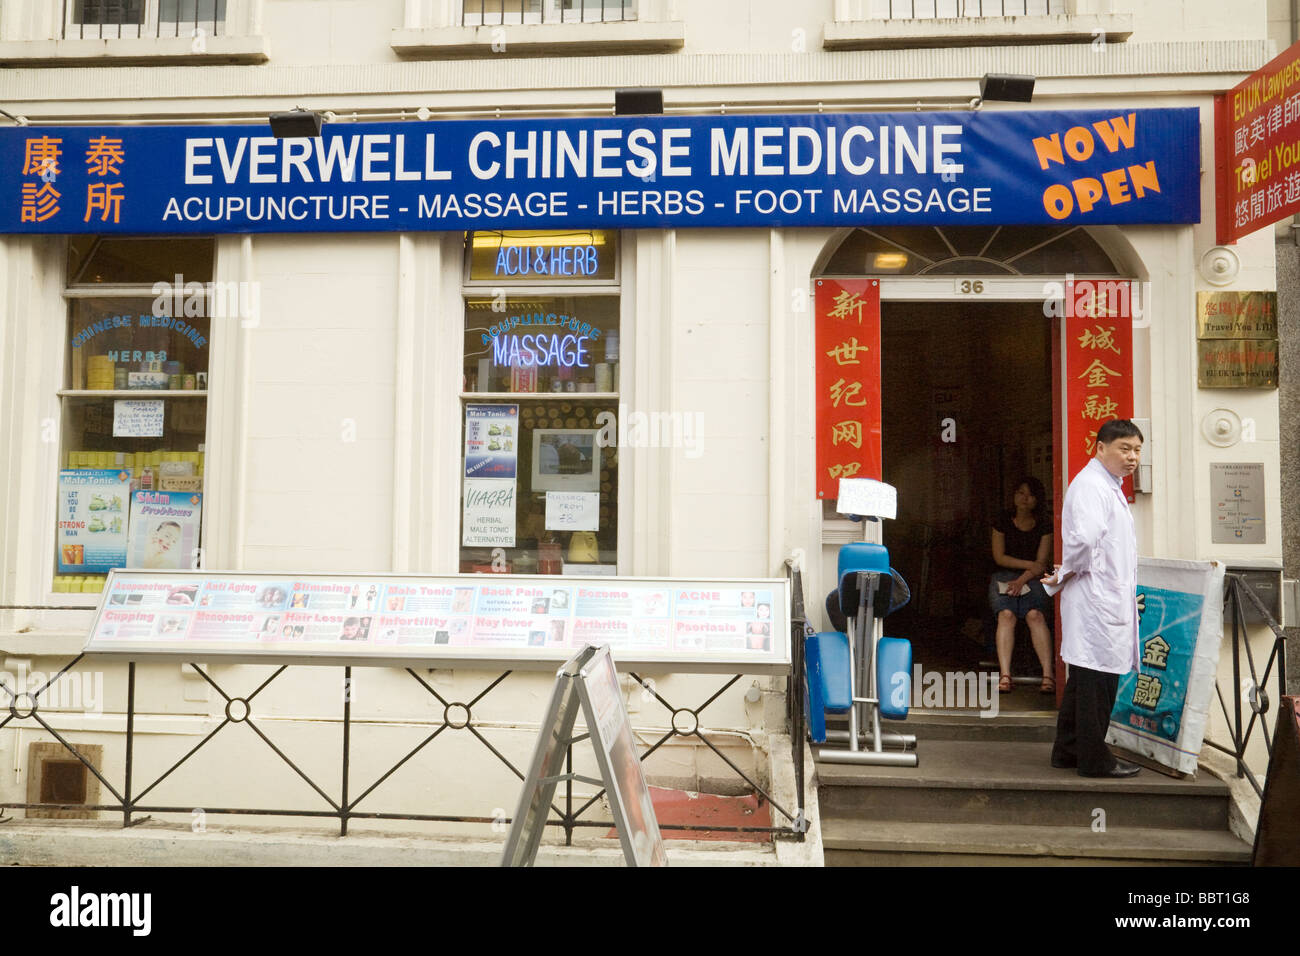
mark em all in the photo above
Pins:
pixel 1082 721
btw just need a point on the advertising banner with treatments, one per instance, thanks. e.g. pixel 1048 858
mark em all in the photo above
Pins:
pixel 1161 710
pixel 1030 167
pixel 523 621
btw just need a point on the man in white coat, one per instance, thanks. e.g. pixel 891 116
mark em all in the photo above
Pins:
pixel 1097 579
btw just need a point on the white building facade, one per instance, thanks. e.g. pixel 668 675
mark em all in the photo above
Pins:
pixel 329 437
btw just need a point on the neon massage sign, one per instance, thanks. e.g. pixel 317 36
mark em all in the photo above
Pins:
pixel 554 349
pixel 538 338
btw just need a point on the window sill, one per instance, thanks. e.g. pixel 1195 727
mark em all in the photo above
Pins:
pixel 977 31
pixel 542 396
pixel 540 39
pixel 60 629
pixel 168 51
pixel 132 393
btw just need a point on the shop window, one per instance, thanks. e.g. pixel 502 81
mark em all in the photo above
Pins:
pixel 487 12
pixel 116 19
pixel 539 403
pixel 133 408
pixel 940 9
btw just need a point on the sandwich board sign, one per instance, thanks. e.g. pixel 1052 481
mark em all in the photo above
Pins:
pixel 588 680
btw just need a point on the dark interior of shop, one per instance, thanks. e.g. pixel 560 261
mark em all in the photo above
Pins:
pixel 967 412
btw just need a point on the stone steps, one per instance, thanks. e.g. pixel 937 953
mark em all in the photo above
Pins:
pixel 859 843
pixel 984 792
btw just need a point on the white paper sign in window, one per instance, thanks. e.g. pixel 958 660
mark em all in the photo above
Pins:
pixel 572 511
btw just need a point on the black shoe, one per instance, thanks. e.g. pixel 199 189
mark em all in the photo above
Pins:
pixel 1122 768
pixel 1064 764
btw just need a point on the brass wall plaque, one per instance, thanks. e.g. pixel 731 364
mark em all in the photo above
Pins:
pixel 1243 363
pixel 1236 315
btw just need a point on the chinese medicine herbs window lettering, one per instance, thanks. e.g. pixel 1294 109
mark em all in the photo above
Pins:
pixel 539 402
pixel 133 407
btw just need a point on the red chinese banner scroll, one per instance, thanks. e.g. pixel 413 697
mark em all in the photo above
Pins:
pixel 848 381
pixel 1257 149
pixel 1098 365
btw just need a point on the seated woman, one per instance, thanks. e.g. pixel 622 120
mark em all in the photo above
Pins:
pixel 1022 549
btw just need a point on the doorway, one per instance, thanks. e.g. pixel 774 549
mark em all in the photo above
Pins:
pixel 968 397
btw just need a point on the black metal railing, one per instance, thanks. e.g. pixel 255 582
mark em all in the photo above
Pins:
pixel 796 690
pixel 498 12
pixel 129 796
pixel 1252 695
pixel 955 9
pixel 117 19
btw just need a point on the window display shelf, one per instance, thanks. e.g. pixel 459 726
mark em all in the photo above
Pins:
pixel 542 396
pixel 133 393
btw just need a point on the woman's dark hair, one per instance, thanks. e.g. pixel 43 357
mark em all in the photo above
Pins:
pixel 1036 489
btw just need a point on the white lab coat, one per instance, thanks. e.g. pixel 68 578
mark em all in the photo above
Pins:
pixel 1099 603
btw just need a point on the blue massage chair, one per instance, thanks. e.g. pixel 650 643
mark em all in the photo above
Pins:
pixel 858 671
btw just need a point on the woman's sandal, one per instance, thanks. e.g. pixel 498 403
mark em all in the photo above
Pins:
pixel 1048 686
pixel 1004 685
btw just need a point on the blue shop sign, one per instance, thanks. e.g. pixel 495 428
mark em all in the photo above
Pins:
pixel 1028 167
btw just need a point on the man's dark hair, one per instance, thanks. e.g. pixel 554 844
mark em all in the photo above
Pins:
pixel 1116 429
